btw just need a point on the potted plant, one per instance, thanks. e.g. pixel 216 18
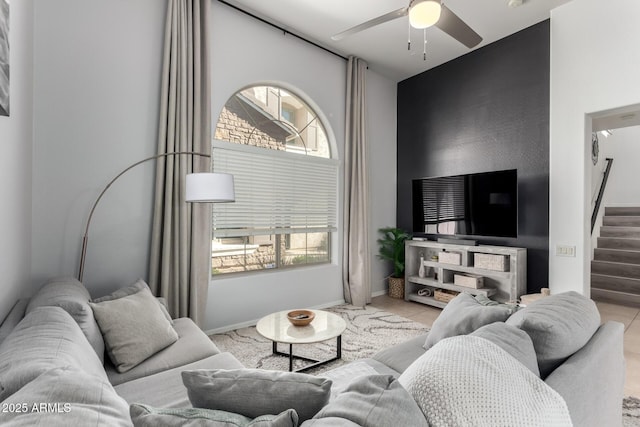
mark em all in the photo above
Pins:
pixel 392 249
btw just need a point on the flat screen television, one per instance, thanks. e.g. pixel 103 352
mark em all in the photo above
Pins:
pixel 478 204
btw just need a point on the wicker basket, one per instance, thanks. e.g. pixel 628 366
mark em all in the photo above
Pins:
pixel 444 295
pixel 396 287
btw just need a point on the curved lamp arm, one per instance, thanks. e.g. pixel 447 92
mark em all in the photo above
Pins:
pixel 93 208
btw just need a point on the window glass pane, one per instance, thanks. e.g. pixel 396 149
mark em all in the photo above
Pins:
pixel 304 248
pixel 269 117
pixel 239 254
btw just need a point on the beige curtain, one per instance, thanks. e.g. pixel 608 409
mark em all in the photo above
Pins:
pixel 180 245
pixel 356 259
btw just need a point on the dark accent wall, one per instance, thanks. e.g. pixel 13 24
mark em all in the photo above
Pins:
pixel 485 111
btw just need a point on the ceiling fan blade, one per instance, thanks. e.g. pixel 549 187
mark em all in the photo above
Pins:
pixel 451 24
pixel 371 23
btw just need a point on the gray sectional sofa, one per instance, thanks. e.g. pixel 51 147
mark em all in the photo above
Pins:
pixel 53 371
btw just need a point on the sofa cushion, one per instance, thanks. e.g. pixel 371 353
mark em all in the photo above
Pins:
pixel 46 338
pixel 371 401
pixel 514 341
pixel 134 288
pixel 66 397
pixel 147 416
pixel 70 295
pixel 189 336
pixel 463 315
pixel 399 357
pixel 165 389
pixel 469 381
pixel 255 392
pixel 559 325
pixel 134 328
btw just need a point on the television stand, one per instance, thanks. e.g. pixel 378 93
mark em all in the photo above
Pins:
pixel 501 271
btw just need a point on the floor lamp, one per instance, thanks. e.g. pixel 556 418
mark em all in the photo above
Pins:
pixel 200 188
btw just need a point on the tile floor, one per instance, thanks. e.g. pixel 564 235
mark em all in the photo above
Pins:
pixel 627 315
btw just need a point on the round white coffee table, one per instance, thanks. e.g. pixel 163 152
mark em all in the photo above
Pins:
pixel 325 326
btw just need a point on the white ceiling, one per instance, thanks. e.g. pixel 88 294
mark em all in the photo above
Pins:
pixel 385 47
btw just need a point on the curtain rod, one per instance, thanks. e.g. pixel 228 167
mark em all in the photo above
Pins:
pixel 284 30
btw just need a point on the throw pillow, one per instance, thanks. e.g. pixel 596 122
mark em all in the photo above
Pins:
pixel 134 328
pixel 470 381
pixel 371 401
pixel 147 416
pixel 463 315
pixel 559 325
pixel 254 392
pixel 514 341
pixel 46 338
pixel 65 397
pixel 70 295
pixel 138 286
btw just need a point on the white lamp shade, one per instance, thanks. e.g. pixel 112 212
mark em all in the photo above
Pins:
pixel 210 188
pixel 424 13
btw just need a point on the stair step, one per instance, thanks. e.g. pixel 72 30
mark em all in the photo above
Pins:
pixel 615 297
pixel 613 283
pixel 628 232
pixel 617 269
pixel 619 243
pixel 621 221
pixel 624 211
pixel 617 255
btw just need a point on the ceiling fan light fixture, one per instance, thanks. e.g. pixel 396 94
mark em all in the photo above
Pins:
pixel 424 13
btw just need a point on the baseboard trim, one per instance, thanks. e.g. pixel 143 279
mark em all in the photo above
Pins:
pixel 378 293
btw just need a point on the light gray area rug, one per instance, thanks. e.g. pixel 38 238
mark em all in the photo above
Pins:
pixel 369 330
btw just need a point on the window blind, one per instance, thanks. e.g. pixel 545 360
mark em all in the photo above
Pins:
pixel 276 192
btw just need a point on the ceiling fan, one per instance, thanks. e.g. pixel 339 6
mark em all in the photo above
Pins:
pixel 423 14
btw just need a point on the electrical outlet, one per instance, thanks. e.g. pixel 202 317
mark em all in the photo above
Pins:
pixel 565 250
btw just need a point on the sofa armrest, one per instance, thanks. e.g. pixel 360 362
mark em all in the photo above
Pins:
pixel 192 345
pixel 591 381
pixel 13 318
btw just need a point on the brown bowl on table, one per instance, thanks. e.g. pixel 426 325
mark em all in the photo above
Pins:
pixel 300 317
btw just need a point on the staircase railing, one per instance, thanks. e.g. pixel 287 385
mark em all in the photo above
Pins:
pixel 596 208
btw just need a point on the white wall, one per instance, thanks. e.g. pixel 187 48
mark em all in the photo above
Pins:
pixel 594 67
pixel 624 148
pixel 15 161
pixel 97 78
pixel 381 137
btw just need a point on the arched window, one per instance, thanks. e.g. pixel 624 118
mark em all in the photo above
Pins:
pixel 286 183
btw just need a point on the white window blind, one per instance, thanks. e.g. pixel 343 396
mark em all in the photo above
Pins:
pixel 276 192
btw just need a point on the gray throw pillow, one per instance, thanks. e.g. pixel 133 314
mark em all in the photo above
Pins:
pixel 514 341
pixel 463 315
pixel 559 325
pixel 134 328
pixel 46 338
pixel 371 401
pixel 255 392
pixel 66 397
pixel 147 416
pixel 70 295
pixel 134 289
